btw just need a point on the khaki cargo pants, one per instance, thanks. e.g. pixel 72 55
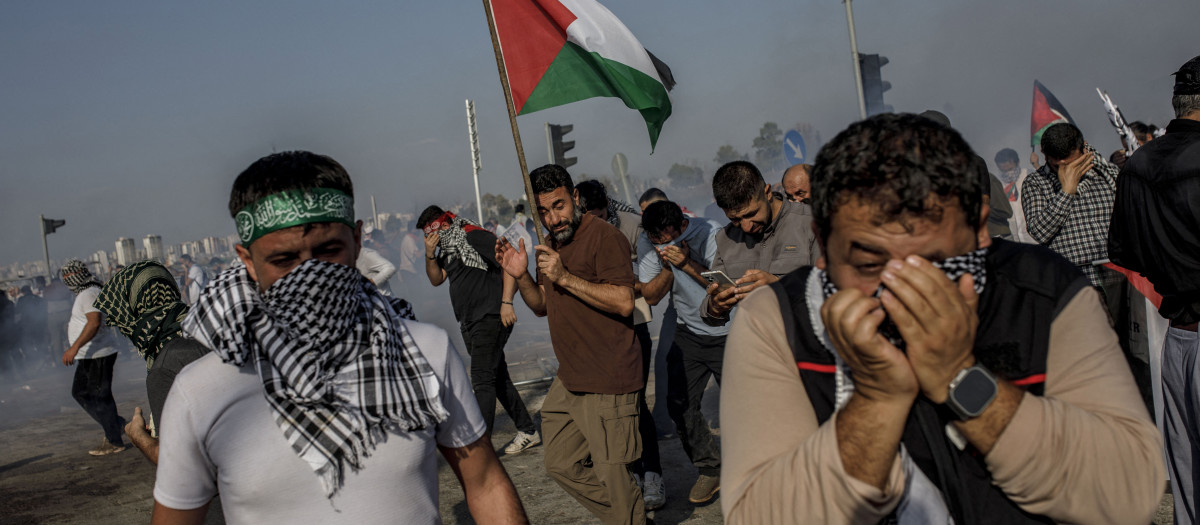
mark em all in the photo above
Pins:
pixel 590 440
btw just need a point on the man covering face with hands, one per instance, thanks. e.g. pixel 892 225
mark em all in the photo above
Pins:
pixel 922 371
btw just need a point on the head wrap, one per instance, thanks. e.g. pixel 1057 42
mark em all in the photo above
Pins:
pixel 77 277
pixel 338 368
pixel 143 302
pixel 973 262
pixel 1187 79
pixel 293 208
pixel 453 241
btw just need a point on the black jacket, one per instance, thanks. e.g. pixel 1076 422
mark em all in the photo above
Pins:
pixel 1155 227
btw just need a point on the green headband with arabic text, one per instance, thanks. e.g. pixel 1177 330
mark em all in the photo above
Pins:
pixel 293 208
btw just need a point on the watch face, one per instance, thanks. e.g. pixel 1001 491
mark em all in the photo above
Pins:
pixel 974 392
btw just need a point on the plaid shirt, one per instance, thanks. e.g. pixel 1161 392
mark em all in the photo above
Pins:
pixel 1074 226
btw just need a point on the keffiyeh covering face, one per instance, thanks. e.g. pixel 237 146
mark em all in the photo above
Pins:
pixel 453 241
pixel 143 302
pixel 338 369
pixel 77 277
pixel 973 262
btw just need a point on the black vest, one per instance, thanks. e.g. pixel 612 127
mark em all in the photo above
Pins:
pixel 1027 287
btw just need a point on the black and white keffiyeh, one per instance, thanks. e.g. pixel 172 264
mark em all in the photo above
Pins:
pixel 615 206
pixel 453 242
pixel 973 262
pixel 77 277
pixel 337 367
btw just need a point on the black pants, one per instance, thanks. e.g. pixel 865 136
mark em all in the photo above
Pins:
pixel 650 462
pixel 485 339
pixel 694 358
pixel 92 389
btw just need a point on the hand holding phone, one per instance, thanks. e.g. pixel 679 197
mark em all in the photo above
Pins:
pixel 719 278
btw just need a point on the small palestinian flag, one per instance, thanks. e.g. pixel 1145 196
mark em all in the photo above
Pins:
pixel 1047 111
pixel 562 51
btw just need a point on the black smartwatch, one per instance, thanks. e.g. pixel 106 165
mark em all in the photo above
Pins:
pixel 971 392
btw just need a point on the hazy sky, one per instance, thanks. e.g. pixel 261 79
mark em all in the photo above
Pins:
pixel 133 118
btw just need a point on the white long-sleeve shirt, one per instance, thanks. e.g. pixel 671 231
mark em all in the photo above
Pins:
pixel 376 268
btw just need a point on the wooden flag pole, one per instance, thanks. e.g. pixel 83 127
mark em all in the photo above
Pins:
pixel 512 121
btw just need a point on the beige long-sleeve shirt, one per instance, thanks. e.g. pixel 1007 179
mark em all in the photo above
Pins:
pixel 1085 452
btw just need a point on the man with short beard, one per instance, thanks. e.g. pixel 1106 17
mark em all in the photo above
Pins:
pixel 585 287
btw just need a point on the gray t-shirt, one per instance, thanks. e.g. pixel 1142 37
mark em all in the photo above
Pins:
pixel 219 435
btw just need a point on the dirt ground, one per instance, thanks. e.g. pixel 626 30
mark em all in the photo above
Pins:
pixel 47 477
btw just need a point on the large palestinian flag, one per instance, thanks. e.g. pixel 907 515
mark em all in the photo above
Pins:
pixel 562 51
pixel 1047 111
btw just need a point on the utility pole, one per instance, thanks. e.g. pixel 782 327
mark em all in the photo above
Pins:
pixel 862 103
pixel 474 133
pixel 375 215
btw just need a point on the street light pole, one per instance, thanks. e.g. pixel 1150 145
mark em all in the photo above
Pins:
pixel 862 102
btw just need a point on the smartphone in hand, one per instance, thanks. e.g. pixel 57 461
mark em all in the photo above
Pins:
pixel 723 281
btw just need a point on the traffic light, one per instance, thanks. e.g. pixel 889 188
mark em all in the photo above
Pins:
pixel 873 83
pixel 558 147
pixel 52 225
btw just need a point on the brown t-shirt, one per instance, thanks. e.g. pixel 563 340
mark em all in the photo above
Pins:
pixel 597 351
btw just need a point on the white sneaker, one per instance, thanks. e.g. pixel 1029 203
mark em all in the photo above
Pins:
pixel 654 493
pixel 521 442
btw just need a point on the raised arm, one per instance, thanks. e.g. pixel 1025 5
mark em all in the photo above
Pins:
pixel 515 263
pixel 1086 451
pixel 433 270
pixel 779 464
pixel 653 283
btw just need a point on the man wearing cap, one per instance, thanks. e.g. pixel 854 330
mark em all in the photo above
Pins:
pixel 1155 230
pixel 318 403
pixel 92 350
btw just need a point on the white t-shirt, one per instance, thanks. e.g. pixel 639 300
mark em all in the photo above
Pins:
pixel 219 435
pixel 100 345
pixel 199 280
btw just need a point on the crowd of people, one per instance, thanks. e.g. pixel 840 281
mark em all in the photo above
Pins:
pixel 899 336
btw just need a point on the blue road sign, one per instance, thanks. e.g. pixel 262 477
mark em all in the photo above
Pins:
pixel 793 148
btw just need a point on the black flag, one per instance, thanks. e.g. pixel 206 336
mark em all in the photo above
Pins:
pixel 49 225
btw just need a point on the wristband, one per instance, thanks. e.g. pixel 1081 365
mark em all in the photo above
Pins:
pixel 431 258
pixel 506 302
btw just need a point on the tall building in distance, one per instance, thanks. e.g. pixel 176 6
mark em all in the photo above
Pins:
pixel 154 248
pixel 101 259
pixel 214 245
pixel 192 248
pixel 126 251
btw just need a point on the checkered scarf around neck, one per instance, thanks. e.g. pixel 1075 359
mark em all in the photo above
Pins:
pixel 453 241
pixel 77 277
pixel 143 302
pixel 973 262
pixel 337 367
pixel 615 206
